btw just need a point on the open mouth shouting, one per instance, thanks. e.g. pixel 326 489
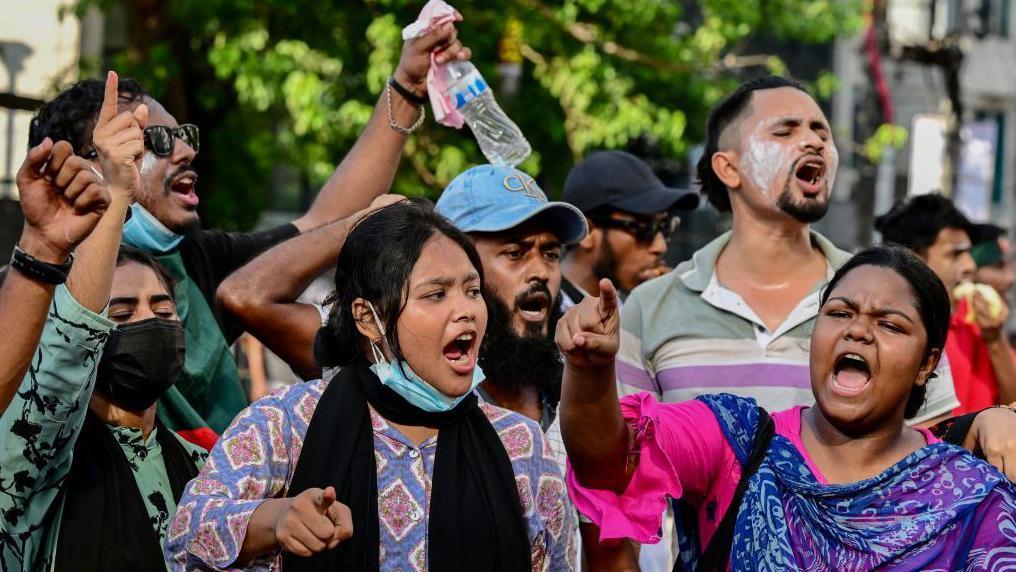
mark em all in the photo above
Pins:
pixel 851 375
pixel 810 174
pixel 183 185
pixel 461 352
pixel 534 307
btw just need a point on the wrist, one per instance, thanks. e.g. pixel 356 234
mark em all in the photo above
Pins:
pixel 349 223
pixel 993 337
pixel 120 197
pixel 278 509
pixel 39 248
pixel 417 87
pixel 594 371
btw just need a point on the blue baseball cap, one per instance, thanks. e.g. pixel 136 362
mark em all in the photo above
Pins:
pixel 490 198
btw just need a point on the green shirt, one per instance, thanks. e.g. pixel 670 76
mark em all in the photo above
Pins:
pixel 145 458
pixel 40 427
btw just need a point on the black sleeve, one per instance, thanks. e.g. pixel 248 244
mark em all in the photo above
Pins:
pixel 211 255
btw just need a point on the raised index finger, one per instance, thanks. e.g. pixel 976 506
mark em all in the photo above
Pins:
pixel 608 299
pixel 109 99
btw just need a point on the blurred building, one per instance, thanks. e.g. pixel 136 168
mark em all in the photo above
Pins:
pixel 43 50
pixel 926 61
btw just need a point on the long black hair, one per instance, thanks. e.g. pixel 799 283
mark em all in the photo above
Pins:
pixel 375 264
pixel 930 299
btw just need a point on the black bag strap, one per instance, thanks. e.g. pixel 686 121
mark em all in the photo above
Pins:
pixel 955 430
pixel 717 554
pixel 574 293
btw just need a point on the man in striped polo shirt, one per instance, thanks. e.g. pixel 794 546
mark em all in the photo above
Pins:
pixel 738 316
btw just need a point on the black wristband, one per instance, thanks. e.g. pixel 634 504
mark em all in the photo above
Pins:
pixel 38 270
pixel 404 92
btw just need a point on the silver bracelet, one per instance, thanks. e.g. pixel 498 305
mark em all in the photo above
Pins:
pixel 391 117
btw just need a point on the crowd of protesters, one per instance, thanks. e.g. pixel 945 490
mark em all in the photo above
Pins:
pixel 497 381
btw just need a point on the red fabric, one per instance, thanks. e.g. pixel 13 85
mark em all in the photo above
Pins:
pixel 970 364
pixel 202 437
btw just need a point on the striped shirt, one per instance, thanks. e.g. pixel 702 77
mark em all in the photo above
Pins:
pixel 684 334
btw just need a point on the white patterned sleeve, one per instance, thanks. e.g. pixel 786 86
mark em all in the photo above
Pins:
pixel 250 463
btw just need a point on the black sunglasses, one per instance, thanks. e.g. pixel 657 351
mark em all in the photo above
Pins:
pixel 643 231
pixel 160 138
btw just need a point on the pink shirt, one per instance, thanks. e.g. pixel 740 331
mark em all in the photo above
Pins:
pixel 683 454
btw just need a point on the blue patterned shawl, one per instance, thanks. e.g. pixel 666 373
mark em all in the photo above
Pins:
pixel 940 508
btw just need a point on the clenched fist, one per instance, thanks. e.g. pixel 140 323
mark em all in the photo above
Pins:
pixel 441 43
pixel 62 199
pixel 313 522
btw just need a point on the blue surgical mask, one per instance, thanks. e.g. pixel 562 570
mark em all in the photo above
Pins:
pixel 143 231
pixel 401 379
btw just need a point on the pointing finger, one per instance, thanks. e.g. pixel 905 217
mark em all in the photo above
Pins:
pixel 109 99
pixel 325 499
pixel 608 299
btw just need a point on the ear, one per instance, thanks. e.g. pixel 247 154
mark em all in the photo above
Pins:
pixel 365 320
pixel 592 238
pixel 928 367
pixel 725 166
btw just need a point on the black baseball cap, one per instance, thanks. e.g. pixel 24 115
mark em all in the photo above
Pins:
pixel 625 182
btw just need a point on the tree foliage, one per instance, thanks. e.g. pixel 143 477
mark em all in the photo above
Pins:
pixel 282 88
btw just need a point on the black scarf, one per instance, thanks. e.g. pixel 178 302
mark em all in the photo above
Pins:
pixel 475 519
pixel 105 525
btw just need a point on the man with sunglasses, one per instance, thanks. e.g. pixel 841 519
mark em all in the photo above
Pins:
pixel 164 221
pixel 631 216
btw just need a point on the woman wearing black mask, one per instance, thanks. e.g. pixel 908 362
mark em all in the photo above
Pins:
pixel 127 471
pixel 122 442
pixel 87 480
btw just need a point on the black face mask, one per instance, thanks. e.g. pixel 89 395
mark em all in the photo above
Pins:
pixel 140 362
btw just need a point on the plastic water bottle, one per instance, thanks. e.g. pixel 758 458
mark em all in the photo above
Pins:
pixel 501 141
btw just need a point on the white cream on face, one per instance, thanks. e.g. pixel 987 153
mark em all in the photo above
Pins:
pixel 764 162
pixel 147 164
